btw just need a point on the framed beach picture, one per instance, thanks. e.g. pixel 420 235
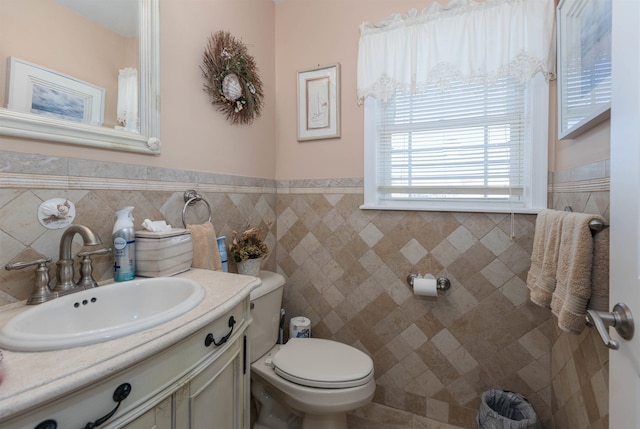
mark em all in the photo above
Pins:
pixel 584 65
pixel 42 91
pixel 319 103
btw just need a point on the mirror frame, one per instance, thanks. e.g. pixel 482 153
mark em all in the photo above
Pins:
pixel 26 125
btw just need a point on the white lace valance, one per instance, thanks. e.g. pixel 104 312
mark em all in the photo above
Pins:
pixel 465 40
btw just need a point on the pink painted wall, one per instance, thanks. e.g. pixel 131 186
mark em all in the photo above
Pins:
pixel 194 135
pixel 314 32
pixel 592 146
pixel 311 33
pixel 284 37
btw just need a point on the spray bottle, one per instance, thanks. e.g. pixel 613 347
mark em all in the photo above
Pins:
pixel 124 242
pixel 222 248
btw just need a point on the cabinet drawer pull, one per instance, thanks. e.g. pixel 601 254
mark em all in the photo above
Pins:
pixel 211 340
pixel 119 395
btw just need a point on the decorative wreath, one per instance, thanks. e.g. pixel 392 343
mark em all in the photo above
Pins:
pixel 231 78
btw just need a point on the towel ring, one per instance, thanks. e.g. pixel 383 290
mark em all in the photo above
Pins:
pixel 191 197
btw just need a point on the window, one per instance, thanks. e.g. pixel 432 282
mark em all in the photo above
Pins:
pixel 456 106
pixel 468 147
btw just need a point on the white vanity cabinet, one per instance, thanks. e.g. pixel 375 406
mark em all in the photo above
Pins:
pixel 215 397
pixel 191 384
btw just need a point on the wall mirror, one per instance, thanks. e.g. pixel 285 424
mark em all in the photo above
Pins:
pixel 584 65
pixel 81 72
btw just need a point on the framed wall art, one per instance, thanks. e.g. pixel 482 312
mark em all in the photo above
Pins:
pixel 584 65
pixel 319 103
pixel 42 91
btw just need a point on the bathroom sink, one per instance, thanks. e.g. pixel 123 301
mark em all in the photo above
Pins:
pixel 100 314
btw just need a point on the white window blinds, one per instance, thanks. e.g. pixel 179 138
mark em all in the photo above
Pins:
pixel 456 106
pixel 464 143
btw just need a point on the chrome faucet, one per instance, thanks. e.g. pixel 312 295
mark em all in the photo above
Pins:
pixel 65 283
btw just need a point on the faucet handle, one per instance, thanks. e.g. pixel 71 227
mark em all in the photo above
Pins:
pixel 102 251
pixel 20 265
pixel 41 291
pixel 86 270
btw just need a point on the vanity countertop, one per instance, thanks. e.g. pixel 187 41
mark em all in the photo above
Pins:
pixel 30 378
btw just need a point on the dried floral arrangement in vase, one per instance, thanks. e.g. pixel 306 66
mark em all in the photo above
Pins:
pixel 248 250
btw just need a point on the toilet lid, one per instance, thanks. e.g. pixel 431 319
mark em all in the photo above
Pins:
pixel 315 362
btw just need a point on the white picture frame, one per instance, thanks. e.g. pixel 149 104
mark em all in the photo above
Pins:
pixel 41 91
pixel 319 103
pixel 584 65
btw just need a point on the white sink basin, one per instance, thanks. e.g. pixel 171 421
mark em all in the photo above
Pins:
pixel 100 314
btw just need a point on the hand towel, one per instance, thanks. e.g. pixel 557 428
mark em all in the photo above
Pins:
pixel 541 279
pixel 537 252
pixel 205 247
pixel 575 264
pixel 600 272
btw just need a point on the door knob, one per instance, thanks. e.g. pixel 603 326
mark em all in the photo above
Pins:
pixel 620 318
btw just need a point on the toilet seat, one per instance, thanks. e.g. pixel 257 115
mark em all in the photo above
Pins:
pixel 316 362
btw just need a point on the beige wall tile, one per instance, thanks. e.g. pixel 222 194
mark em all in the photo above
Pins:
pixel 346 269
pixel 536 343
pixel 445 342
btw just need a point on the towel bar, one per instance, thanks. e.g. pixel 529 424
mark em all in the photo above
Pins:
pixel 595 224
pixel 191 197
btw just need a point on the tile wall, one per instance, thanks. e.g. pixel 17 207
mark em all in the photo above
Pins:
pixel 346 270
pixel 97 190
pixel 580 363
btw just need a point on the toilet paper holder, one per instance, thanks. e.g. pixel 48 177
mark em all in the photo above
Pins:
pixel 442 283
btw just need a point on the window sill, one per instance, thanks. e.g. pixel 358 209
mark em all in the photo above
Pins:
pixel 444 208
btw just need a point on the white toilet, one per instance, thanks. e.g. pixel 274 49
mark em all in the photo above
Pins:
pixel 310 379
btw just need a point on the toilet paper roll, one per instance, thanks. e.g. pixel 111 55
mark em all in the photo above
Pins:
pixel 300 327
pixel 425 287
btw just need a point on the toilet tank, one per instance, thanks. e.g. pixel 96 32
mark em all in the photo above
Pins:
pixel 266 301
